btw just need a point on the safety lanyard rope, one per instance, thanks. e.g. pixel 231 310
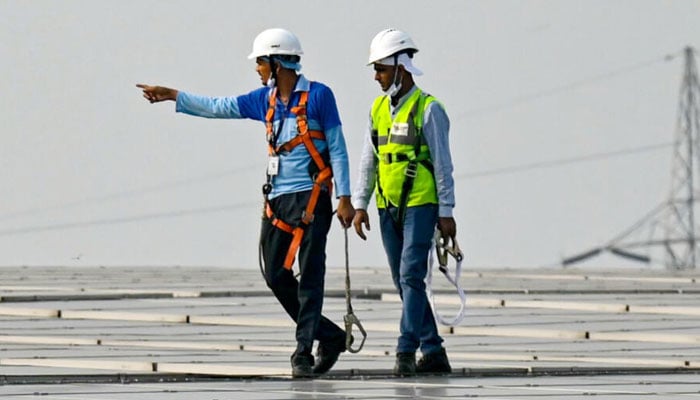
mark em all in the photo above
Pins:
pixel 350 318
pixel 442 251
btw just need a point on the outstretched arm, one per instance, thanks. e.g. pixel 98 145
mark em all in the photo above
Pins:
pixel 208 107
pixel 156 94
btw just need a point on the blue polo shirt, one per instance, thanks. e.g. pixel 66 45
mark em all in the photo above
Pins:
pixel 322 115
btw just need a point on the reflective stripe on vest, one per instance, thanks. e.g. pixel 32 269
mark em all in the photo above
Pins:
pixel 397 142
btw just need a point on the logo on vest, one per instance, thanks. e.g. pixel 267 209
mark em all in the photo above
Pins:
pixel 399 129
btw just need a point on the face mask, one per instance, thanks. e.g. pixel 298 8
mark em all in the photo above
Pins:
pixel 395 87
pixel 393 90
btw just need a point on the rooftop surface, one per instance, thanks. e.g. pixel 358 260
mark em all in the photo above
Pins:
pixel 216 333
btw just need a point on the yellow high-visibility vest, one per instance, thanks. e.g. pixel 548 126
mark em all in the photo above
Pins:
pixel 397 142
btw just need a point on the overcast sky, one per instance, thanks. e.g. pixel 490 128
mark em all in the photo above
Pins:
pixel 92 174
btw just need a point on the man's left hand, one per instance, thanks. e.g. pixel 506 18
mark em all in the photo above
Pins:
pixel 346 212
pixel 448 228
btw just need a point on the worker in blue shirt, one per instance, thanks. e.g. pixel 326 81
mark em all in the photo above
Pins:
pixel 406 160
pixel 307 152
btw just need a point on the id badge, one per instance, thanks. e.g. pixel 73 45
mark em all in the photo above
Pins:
pixel 273 165
pixel 399 129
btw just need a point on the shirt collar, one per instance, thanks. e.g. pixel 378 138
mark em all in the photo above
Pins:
pixel 405 97
pixel 303 84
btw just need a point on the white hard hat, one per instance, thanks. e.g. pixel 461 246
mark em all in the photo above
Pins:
pixel 389 42
pixel 276 41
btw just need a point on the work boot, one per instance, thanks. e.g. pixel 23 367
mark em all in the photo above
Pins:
pixel 301 365
pixel 405 364
pixel 327 354
pixel 434 363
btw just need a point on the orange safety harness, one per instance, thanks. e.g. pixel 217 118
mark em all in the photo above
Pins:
pixel 323 176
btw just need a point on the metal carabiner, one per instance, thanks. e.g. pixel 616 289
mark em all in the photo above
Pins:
pixel 350 320
pixel 442 249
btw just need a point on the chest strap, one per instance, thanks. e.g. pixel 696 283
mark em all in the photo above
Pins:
pixel 321 178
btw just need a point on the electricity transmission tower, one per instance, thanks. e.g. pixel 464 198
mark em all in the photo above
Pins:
pixel 670 226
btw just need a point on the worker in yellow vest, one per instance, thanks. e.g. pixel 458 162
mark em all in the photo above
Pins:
pixel 406 160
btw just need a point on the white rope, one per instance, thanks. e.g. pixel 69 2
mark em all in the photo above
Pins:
pixel 454 281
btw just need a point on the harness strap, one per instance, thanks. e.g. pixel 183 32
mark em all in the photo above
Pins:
pixel 269 118
pixel 412 167
pixel 299 139
pixel 324 175
pixel 296 232
pixel 276 222
pixel 389 158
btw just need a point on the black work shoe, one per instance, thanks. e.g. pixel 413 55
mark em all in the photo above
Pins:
pixel 327 354
pixel 301 365
pixel 325 359
pixel 405 364
pixel 434 363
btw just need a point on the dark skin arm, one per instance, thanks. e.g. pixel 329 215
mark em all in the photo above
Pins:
pixel 448 228
pixel 345 211
pixel 156 94
pixel 361 218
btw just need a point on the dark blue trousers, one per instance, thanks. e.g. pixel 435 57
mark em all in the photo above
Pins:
pixel 302 299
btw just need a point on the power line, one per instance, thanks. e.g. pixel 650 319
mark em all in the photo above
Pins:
pixel 230 207
pixel 128 193
pixel 676 238
pixel 563 161
pixel 563 88
pixel 205 210
pixel 482 110
pixel 127 219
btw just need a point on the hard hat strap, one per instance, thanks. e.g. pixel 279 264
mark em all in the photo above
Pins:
pixel 395 87
pixel 396 71
pixel 273 70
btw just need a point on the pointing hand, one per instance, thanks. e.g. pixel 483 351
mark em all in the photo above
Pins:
pixel 156 94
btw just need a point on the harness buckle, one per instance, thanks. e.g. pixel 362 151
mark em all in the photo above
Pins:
pixel 305 220
pixel 411 170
